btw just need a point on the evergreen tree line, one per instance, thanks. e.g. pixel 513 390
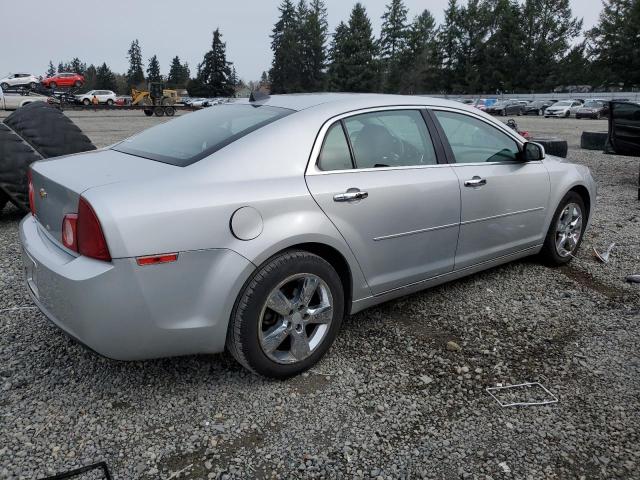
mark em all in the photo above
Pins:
pixel 482 46
pixel 216 76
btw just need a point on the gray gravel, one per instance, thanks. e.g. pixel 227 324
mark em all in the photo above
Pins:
pixel 391 400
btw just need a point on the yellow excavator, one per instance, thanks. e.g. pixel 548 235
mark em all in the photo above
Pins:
pixel 156 100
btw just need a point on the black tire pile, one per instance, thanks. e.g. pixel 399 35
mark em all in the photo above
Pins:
pixel 34 132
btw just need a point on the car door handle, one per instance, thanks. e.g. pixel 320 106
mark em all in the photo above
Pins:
pixel 350 196
pixel 475 182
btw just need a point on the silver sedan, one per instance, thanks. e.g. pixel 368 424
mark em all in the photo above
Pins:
pixel 257 226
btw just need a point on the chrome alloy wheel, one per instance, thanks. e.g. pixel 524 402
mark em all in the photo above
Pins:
pixel 568 230
pixel 295 318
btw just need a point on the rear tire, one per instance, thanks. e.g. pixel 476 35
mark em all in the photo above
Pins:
pixel 554 251
pixel 53 85
pixel 78 84
pixel 4 199
pixel 159 111
pixel 148 112
pixel 255 320
pixel 110 102
pixel 33 85
pixel 86 102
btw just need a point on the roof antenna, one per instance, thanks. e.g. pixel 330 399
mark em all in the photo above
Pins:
pixel 258 96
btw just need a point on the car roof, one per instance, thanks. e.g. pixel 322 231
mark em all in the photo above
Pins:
pixel 344 102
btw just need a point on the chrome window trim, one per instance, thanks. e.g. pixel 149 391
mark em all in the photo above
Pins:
pixel 312 164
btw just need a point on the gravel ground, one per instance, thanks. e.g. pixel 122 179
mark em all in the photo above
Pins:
pixel 389 400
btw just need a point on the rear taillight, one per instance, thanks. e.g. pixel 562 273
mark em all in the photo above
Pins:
pixel 70 231
pixel 89 236
pixel 82 233
pixel 32 195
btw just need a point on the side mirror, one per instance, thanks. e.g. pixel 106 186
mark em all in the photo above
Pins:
pixel 532 152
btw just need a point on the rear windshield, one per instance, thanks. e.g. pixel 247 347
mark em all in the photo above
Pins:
pixel 195 136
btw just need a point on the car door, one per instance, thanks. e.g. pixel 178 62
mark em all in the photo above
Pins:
pixel 575 106
pixel 503 199
pixel 376 175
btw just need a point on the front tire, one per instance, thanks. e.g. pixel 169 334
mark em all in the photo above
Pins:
pixel 4 86
pixel 110 102
pixel 287 315
pixel 566 231
pixel 86 102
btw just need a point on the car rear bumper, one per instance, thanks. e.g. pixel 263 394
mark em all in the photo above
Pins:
pixel 127 312
pixel 556 114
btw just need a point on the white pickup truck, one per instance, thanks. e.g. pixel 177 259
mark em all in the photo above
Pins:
pixel 13 101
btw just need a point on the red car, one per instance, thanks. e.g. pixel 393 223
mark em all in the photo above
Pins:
pixel 64 80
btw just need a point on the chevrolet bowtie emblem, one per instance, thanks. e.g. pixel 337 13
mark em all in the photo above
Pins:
pixel 43 193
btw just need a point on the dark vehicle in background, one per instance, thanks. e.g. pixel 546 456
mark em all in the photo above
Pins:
pixel 537 107
pixel 624 128
pixel 595 109
pixel 506 107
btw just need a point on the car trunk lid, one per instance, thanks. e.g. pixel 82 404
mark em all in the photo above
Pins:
pixel 58 183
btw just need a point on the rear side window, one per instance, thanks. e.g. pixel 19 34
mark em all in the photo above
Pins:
pixel 474 141
pixel 395 138
pixel 335 153
pixel 195 136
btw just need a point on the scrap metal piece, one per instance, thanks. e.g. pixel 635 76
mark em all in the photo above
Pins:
pixel 633 278
pixel 493 391
pixel 604 257
pixel 80 471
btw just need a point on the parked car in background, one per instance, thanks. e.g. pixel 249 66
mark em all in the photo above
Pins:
pixel 506 107
pixel 65 80
pixel 104 96
pixel 595 109
pixel 563 109
pixel 480 104
pixel 255 227
pixel 123 100
pixel 13 101
pixel 537 107
pixel 19 80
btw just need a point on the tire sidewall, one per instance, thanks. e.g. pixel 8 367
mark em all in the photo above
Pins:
pixel 251 301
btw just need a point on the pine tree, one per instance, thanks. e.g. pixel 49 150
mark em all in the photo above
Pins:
pixel 548 28
pixel 265 83
pixel 449 37
pixel 76 66
pixel 105 79
pixel 500 66
pixel 51 71
pixel 233 77
pixel 90 78
pixel 353 55
pixel 614 44
pixel 313 41
pixel 178 74
pixel 61 67
pixel 214 72
pixel 153 70
pixel 392 44
pixel 135 74
pixel 287 55
pixel 420 60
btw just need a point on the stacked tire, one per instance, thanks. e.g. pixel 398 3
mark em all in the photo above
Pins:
pixel 34 132
pixel 553 146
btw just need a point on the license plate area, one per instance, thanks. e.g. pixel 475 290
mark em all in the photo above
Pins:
pixel 31 273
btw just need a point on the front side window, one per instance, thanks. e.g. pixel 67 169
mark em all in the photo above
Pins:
pixel 474 141
pixel 394 138
pixel 335 153
pixel 192 137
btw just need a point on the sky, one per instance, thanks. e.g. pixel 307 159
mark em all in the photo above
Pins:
pixel 97 33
